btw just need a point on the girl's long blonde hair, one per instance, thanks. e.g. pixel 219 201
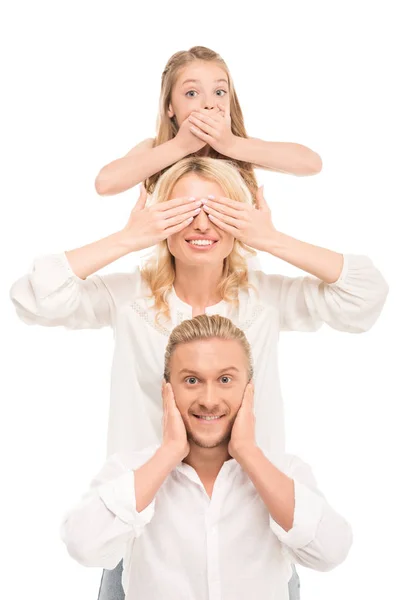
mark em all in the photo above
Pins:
pixel 167 127
pixel 158 271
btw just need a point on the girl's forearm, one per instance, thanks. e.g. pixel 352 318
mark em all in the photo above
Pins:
pixel 141 163
pixel 278 156
pixel 88 259
pixel 320 262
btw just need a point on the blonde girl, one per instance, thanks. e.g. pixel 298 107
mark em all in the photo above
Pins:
pixel 200 115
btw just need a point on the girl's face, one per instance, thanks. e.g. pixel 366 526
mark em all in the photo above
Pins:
pixel 199 85
pixel 201 242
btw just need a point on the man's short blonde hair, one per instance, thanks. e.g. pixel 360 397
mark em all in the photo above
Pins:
pixel 205 327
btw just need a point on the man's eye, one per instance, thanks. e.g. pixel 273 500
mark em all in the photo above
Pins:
pixel 191 93
pixel 221 92
pixel 191 380
pixel 226 379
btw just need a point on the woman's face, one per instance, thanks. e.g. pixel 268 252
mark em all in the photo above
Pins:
pixel 201 242
pixel 199 85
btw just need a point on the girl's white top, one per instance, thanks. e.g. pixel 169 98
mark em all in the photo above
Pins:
pixel 52 295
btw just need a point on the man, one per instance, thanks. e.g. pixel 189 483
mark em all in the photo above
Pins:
pixel 208 514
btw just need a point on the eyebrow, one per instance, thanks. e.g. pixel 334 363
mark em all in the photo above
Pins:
pixel 192 372
pixel 198 81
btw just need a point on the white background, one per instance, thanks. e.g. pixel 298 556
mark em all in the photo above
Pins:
pixel 80 88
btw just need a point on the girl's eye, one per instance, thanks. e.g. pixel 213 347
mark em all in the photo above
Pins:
pixel 191 93
pixel 221 92
pixel 191 380
pixel 226 379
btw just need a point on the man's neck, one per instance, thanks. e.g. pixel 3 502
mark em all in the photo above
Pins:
pixel 197 285
pixel 207 462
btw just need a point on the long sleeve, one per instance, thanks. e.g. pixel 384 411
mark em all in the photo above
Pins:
pixel 100 529
pixel 320 538
pixel 52 295
pixel 352 304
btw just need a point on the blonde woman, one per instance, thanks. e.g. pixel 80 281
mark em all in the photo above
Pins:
pixel 199 114
pixel 198 266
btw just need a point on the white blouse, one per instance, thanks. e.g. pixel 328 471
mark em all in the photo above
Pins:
pixel 52 295
pixel 186 546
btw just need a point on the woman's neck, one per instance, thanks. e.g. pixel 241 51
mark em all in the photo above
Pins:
pixel 198 286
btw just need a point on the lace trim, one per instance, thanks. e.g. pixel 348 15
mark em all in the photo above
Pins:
pixel 144 314
pixel 255 314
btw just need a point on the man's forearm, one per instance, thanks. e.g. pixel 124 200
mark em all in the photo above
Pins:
pixel 150 477
pixel 274 487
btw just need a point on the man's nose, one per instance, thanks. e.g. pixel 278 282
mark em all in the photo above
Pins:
pixel 209 399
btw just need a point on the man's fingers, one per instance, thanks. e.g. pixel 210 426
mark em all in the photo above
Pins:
pixel 248 397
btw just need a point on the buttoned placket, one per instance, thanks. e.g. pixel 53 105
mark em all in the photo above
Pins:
pixel 212 517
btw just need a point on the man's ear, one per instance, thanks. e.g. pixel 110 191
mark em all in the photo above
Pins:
pixel 170 111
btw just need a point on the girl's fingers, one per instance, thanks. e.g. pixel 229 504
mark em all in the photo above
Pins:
pixel 234 221
pixel 200 118
pixel 200 134
pixel 181 209
pixel 203 126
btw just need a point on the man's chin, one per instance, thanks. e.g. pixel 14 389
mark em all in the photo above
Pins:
pixel 206 442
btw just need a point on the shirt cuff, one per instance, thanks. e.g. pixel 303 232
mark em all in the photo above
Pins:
pixel 345 269
pixel 119 497
pixel 307 516
pixel 50 273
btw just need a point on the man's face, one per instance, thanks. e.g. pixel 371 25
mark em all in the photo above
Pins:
pixel 209 378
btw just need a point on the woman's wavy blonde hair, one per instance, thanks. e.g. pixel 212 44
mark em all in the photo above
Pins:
pixel 158 271
pixel 167 127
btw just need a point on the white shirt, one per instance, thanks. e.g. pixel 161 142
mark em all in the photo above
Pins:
pixel 186 546
pixel 51 294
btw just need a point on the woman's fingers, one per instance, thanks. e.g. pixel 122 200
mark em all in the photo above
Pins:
pixel 181 209
pixel 224 209
pixel 174 203
pixel 141 202
pixel 181 217
pixel 177 228
pixel 224 226
pixel 227 202
pixel 234 221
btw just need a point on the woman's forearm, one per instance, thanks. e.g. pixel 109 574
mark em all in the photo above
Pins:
pixel 150 477
pixel 278 156
pixel 139 164
pixel 325 264
pixel 88 259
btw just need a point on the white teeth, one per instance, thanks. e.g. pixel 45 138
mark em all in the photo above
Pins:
pixel 209 418
pixel 201 242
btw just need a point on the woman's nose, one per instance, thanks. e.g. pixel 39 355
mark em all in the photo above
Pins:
pixel 201 222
